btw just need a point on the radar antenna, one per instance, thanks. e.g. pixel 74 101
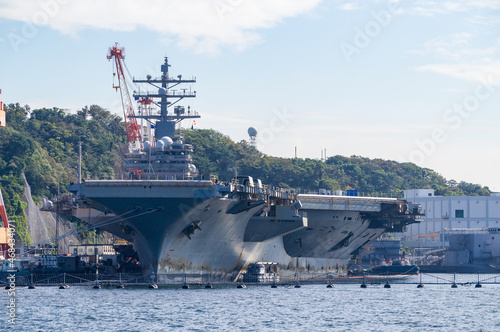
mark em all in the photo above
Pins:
pixel 252 132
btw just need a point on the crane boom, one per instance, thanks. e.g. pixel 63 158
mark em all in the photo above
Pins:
pixel 131 125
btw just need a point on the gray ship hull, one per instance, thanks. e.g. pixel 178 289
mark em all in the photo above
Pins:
pixel 191 226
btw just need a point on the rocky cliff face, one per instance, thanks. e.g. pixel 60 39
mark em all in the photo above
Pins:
pixel 42 225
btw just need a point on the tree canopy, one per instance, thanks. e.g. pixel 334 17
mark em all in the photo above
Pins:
pixel 215 153
pixel 43 144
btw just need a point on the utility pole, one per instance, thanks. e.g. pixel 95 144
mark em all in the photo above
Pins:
pixel 79 162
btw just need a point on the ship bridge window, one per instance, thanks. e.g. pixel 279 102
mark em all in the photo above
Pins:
pixel 459 213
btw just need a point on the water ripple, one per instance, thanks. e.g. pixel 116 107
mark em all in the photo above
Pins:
pixel 258 308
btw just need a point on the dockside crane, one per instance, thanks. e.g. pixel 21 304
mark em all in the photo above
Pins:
pixel 133 129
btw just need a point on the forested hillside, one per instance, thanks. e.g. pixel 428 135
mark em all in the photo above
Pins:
pixel 43 145
pixel 216 153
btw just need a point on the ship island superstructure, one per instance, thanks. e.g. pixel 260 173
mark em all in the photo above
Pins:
pixel 181 224
pixel 168 158
pixel 163 156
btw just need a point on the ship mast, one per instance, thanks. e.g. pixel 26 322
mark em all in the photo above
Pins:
pixel 167 119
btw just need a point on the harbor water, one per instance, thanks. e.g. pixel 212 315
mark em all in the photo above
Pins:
pixel 346 307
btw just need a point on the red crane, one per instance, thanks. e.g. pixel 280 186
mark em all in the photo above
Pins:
pixel 5 232
pixel 133 128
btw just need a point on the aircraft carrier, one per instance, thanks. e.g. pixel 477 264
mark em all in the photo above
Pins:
pixel 182 223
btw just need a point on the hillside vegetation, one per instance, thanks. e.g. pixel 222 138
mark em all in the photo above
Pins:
pixel 216 153
pixel 43 145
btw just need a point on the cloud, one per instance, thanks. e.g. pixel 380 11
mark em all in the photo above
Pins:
pixel 459 58
pixel 455 47
pixel 203 25
pixel 349 6
pixel 465 71
pixel 483 4
pixel 432 8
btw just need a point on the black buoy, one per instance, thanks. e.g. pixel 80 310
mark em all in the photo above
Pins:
pixel 387 285
pixel 363 285
pixel 478 285
pixel 420 284
pixel 274 286
pixel 297 284
pixel 97 286
pixel 241 286
pixel 31 286
pixel 208 286
pixel 330 286
pixel 7 287
pixel 153 286
pixel 454 284
pixel 63 287
pixel 185 286
pixel 120 286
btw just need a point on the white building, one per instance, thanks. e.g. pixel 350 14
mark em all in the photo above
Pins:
pixel 453 212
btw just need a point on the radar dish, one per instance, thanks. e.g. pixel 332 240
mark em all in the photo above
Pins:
pixel 252 132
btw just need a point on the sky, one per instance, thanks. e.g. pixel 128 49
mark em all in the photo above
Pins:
pixel 408 80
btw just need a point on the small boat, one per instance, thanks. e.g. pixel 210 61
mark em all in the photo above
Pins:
pixel 262 272
pixel 399 267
